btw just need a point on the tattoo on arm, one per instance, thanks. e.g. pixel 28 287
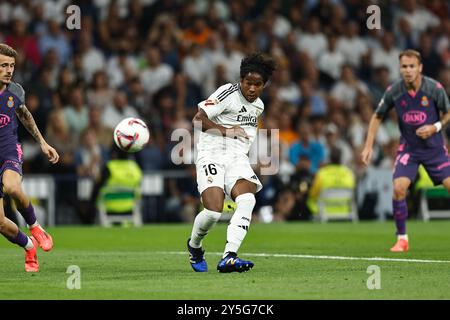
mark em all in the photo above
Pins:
pixel 28 122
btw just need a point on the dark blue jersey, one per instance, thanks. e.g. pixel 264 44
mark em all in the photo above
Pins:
pixel 10 99
pixel 416 110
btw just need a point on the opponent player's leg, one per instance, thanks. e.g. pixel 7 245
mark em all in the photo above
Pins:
pixel 406 167
pixel 12 182
pixel 243 193
pixel 400 210
pixel 11 232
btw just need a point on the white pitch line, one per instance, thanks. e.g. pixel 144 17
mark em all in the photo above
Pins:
pixel 308 256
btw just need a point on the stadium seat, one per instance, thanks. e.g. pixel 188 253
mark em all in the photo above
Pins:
pixel 337 204
pixel 120 193
pixel 436 195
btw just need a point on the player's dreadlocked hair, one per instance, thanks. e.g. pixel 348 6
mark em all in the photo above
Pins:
pixel 259 63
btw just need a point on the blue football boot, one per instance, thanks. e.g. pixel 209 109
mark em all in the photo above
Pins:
pixel 197 259
pixel 231 263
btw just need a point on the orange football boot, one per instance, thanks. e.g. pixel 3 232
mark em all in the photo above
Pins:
pixel 43 238
pixel 31 259
pixel 402 245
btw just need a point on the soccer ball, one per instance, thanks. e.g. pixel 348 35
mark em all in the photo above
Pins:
pixel 131 134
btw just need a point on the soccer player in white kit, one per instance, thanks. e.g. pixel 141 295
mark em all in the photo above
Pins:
pixel 228 121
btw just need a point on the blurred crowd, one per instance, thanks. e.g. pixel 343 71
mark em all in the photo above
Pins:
pixel 157 59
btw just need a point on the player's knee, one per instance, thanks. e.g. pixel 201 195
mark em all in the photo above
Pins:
pixel 245 204
pixel 213 201
pixel 399 192
pixel 213 206
pixel 213 216
pixel 13 189
pixel 247 199
pixel 2 222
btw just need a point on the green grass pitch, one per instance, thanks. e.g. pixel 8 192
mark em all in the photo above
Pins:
pixel 292 261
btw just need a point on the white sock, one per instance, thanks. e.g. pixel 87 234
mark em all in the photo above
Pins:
pixel 34 225
pixel 29 244
pixel 240 222
pixel 402 236
pixel 203 222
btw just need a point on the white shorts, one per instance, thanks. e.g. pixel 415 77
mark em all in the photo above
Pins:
pixel 224 173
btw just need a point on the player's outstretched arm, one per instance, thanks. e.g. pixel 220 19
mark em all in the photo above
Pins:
pixel 28 122
pixel 366 154
pixel 201 119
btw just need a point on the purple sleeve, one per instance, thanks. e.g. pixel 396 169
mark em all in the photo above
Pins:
pixel 386 103
pixel 441 99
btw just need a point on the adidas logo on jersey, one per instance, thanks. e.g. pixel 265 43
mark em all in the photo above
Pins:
pixel 254 177
pixel 243 110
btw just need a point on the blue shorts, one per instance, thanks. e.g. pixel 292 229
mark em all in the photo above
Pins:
pixel 436 162
pixel 11 158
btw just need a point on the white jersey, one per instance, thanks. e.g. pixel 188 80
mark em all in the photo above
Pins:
pixel 228 107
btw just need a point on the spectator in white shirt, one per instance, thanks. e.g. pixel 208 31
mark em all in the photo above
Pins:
pixel 288 91
pixel 348 87
pixel 280 26
pixel 360 123
pixel 419 18
pixel 351 45
pixel 156 75
pixel 119 64
pixel 387 55
pixel 331 61
pixel 333 139
pixel 92 59
pixel 312 42
pixel 196 65
pixel 76 113
pixel 119 110
pixel 232 60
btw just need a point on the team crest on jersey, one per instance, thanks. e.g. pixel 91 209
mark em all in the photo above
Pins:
pixel 425 102
pixel 210 180
pixel 10 102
